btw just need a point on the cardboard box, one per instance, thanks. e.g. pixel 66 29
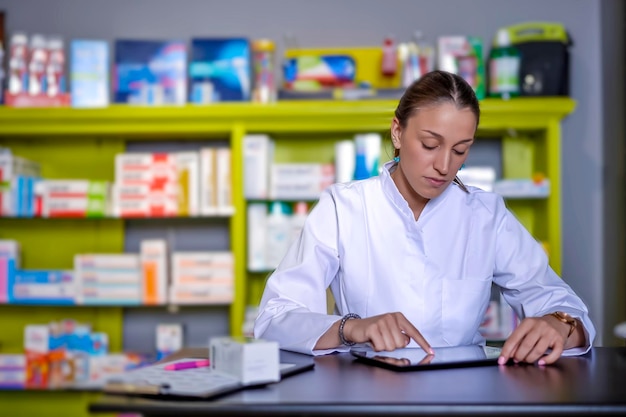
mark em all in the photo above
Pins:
pixel 219 70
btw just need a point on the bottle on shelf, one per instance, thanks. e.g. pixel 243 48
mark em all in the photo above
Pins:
pixel 345 159
pixel 301 210
pixel 264 86
pixel 368 147
pixel 389 65
pixel 278 233
pixel 504 67
pixel 18 64
pixel 55 68
pixel 37 82
pixel 425 52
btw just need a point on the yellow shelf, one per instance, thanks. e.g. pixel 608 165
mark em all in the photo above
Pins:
pixel 59 137
pixel 286 116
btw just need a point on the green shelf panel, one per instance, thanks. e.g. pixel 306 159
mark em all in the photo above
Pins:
pixel 52 243
pixel 48 403
pixel 256 284
pixel 532 214
pixel 518 157
pixel 68 158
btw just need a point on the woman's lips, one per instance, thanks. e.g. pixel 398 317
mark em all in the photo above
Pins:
pixel 435 182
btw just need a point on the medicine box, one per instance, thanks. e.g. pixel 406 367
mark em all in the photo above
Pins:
pixel 251 361
pixel 89 72
pixel 219 70
pixel 258 155
pixel 150 72
pixel 54 287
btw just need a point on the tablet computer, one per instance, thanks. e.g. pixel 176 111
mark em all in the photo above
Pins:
pixel 415 359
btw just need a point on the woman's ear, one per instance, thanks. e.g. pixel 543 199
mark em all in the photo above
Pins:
pixel 396 133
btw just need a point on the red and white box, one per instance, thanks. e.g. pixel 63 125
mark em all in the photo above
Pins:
pixel 145 168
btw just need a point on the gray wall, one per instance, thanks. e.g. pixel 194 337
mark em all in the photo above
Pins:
pixel 593 199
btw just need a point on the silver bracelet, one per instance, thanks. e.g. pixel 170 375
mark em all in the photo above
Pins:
pixel 344 319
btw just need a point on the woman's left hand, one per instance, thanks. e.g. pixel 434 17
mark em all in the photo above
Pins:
pixel 532 338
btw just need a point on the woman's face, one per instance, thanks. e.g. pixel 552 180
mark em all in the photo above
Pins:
pixel 433 146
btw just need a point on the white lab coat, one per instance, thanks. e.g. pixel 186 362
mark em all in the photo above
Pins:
pixel 362 240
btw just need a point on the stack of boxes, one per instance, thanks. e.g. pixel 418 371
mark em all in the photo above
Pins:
pixel 202 278
pixel 145 185
pixel 9 262
pixel 12 371
pixel 108 279
pixel 173 184
pixel 266 179
pixel 74 198
pixel 69 354
pixel 185 184
pixel 121 279
pixel 57 354
pixel 55 287
pixel 18 179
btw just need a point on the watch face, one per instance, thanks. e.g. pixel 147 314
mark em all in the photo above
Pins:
pixel 567 319
pixel 564 317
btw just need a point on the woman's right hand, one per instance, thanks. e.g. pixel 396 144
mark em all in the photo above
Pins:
pixel 389 331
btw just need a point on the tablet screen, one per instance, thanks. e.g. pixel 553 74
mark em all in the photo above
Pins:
pixel 415 358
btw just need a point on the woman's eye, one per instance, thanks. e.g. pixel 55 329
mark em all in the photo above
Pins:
pixel 430 148
pixel 458 152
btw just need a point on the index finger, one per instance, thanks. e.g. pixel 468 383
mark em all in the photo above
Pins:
pixel 413 333
pixel 510 346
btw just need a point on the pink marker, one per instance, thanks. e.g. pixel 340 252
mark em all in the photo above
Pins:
pixel 187 365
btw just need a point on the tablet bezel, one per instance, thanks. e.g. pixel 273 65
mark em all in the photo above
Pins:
pixel 364 355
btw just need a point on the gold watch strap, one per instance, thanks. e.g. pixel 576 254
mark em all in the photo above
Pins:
pixel 566 318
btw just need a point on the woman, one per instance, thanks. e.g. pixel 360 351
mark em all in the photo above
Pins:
pixel 411 255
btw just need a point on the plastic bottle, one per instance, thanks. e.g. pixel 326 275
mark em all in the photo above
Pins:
pixel 300 212
pixel 504 67
pixel 361 171
pixel 426 53
pixel 55 69
pixel 264 87
pixel 389 65
pixel 18 64
pixel 368 147
pixel 410 59
pixel 1 72
pixel 278 233
pixel 37 65
pixel 345 158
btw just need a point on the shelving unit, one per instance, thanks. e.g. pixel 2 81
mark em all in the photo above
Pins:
pixel 73 143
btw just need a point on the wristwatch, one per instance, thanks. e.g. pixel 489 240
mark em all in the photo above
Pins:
pixel 566 318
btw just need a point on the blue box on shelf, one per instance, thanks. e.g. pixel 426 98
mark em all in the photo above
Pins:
pixel 150 72
pixel 220 70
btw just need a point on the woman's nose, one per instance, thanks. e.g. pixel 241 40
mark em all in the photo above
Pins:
pixel 442 163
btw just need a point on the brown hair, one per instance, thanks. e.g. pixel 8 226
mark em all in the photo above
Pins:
pixel 434 88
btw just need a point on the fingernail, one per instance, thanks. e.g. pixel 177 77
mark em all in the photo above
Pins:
pixel 541 362
pixel 431 351
pixel 501 360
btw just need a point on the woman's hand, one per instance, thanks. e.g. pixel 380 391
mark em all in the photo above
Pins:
pixel 389 331
pixel 532 338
